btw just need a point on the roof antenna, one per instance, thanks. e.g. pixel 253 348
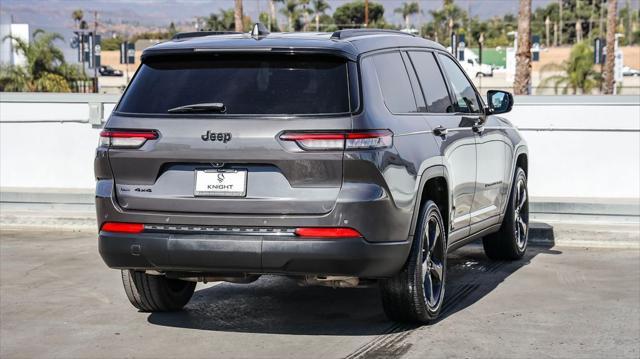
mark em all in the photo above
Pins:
pixel 259 30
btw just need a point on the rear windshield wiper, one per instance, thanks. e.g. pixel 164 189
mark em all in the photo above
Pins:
pixel 214 107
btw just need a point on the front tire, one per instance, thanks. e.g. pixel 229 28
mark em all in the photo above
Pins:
pixel 156 293
pixel 510 242
pixel 416 293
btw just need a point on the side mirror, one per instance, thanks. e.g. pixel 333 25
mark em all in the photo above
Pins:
pixel 499 101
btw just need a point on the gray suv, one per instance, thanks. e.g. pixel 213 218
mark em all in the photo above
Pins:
pixel 344 159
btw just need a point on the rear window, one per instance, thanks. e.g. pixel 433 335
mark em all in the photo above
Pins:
pixel 251 85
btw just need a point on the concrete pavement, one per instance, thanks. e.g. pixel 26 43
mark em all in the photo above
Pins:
pixel 57 299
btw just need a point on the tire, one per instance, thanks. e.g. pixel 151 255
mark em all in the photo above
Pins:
pixel 156 293
pixel 510 242
pixel 411 295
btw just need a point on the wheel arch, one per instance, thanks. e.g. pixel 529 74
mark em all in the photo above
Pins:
pixel 434 185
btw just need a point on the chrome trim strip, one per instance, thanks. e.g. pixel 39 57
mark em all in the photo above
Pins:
pixel 475 214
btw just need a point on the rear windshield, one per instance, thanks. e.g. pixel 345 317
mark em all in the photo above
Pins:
pixel 276 85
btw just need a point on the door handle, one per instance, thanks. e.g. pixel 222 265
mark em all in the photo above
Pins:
pixel 440 131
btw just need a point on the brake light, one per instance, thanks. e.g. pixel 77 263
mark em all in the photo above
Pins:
pixel 125 138
pixel 120 227
pixel 325 141
pixel 327 232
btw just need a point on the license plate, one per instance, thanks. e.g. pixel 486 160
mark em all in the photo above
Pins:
pixel 224 183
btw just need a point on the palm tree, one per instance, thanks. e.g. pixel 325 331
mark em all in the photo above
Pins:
pixel 77 16
pixel 406 10
pixel 609 62
pixel 45 69
pixel 291 11
pixel 223 21
pixel 578 72
pixel 319 7
pixel 238 16
pixel 523 52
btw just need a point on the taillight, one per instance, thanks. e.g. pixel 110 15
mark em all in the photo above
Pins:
pixel 121 227
pixel 326 141
pixel 126 138
pixel 327 232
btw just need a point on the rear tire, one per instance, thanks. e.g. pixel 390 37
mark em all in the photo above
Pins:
pixel 416 293
pixel 510 242
pixel 156 293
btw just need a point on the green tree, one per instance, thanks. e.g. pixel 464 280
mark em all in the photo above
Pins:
pixel 577 72
pixel 224 20
pixel 111 44
pixel 351 15
pixel 77 16
pixel 449 18
pixel 319 8
pixel 45 69
pixel 264 18
pixel 172 30
pixel 406 10
pixel 292 13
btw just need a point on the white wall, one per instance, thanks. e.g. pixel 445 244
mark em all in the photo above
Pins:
pixel 585 147
pixel 588 149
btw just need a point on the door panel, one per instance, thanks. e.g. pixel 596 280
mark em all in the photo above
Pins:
pixel 457 145
pixel 493 178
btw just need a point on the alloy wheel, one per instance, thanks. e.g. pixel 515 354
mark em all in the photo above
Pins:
pixel 433 262
pixel 521 215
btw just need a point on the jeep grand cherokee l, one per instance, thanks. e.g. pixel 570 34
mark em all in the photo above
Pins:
pixel 337 159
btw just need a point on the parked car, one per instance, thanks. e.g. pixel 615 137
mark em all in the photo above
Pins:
pixel 474 68
pixel 358 157
pixel 628 71
pixel 109 71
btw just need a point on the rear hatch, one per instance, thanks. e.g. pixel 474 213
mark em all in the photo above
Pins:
pixel 217 120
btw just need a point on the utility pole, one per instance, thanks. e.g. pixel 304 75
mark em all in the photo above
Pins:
pixel 366 13
pixel 547 25
pixel 561 21
pixel 629 26
pixel 601 22
pixel 91 52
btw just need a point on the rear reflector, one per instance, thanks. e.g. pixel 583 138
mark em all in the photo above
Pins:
pixel 125 138
pixel 326 141
pixel 119 227
pixel 327 232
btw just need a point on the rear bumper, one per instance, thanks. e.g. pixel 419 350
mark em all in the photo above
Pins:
pixel 252 254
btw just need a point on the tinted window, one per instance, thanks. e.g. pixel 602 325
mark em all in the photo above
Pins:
pixel 415 85
pixel 432 83
pixel 245 85
pixel 394 82
pixel 465 95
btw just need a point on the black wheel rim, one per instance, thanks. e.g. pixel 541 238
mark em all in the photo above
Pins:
pixel 433 261
pixel 521 214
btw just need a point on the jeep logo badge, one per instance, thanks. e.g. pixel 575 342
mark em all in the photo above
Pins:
pixel 223 137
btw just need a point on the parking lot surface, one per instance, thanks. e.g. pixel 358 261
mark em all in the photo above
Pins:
pixel 57 299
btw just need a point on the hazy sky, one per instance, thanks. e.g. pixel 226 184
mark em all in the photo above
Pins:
pixel 55 15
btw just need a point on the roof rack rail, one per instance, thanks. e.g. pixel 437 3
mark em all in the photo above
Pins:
pixel 347 33
pixel 186 35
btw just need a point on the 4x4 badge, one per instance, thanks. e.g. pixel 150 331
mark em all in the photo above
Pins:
pixel 223 137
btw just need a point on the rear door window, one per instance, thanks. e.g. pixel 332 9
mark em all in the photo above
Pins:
pixel 394 83
pixel 251 85
pixel 432 82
